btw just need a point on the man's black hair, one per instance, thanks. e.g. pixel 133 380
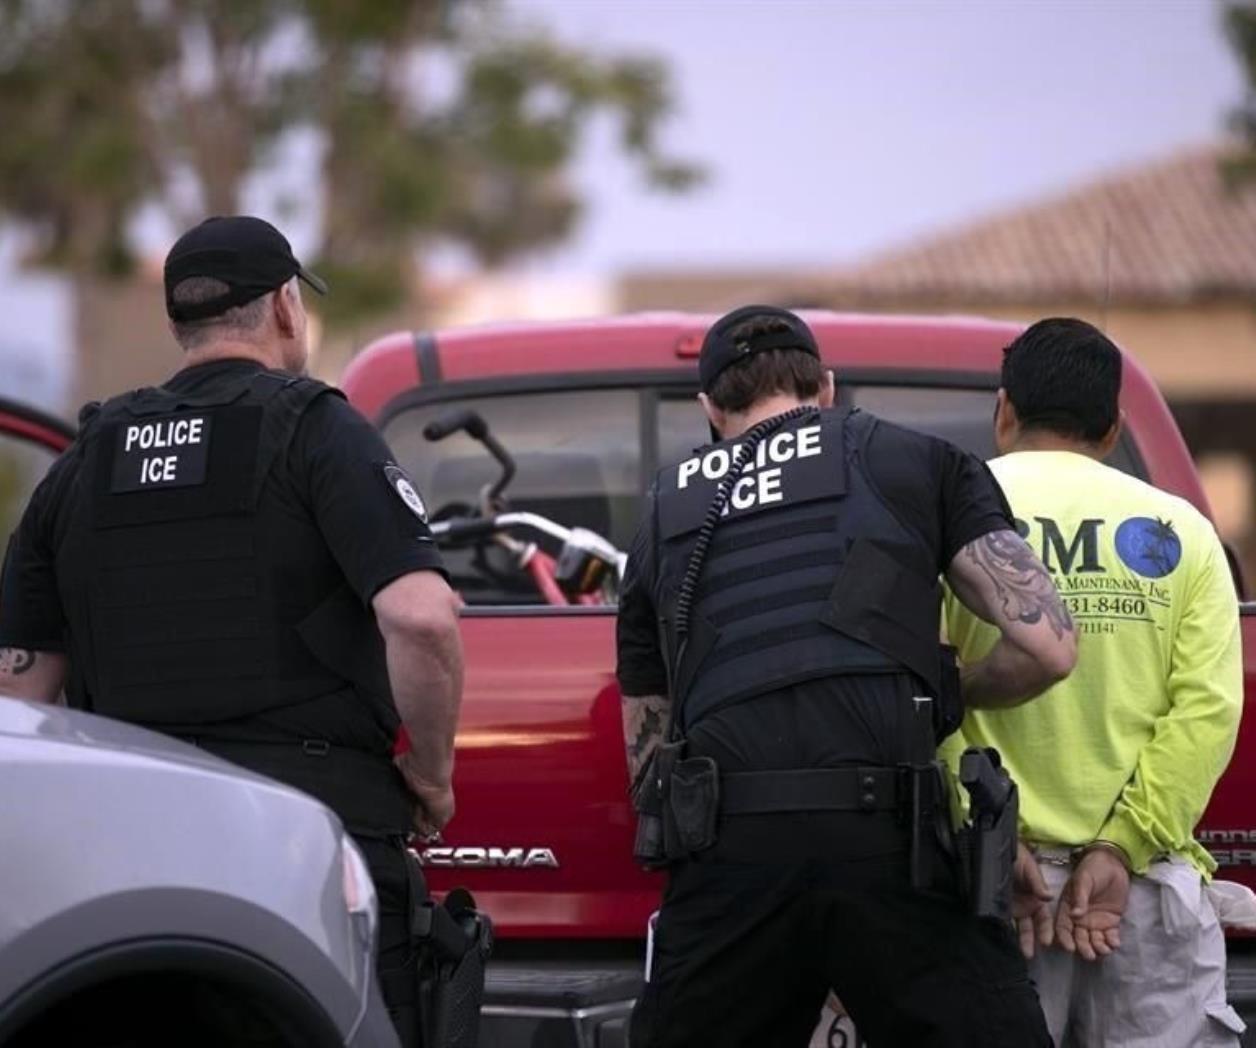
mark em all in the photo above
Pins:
pixel 1063 375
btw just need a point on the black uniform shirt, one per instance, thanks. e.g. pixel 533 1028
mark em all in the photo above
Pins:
pixel 943 494
pixel 333 473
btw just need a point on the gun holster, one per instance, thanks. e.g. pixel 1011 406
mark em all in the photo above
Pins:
pixel 987 842
pixel 452 941
pixel 677 799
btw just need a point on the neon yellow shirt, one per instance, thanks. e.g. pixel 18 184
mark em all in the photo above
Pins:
pixel 1130 746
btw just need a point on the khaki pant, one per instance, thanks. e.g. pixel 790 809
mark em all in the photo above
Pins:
pixel 1164 987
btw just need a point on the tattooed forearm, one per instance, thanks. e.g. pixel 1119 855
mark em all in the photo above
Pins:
pixel 998 578
pixel 1021 583
pixel 15 661
pixel 645 723
pixel 37 676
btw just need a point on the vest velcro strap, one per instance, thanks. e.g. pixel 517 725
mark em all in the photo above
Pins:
pixel 763 640
pixel 759 535
pixel 753 572
pixel 875 789
pixel 790 599
pixel 855 656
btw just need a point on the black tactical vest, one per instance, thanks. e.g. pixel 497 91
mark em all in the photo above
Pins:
pixel 809 573
pixel 199 607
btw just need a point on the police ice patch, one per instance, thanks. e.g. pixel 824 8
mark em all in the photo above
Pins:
pixel 156 453
pixel 400 483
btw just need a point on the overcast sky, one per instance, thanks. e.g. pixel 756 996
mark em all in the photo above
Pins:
pixel 837 128
pixel 832 129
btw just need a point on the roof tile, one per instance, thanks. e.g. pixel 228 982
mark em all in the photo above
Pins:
pixel 1168 232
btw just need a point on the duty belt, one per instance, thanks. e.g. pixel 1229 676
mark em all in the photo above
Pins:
pixel 874 789
pixel 317 748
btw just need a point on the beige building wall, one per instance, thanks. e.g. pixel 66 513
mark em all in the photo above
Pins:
pixel 701 292
pixel 122 341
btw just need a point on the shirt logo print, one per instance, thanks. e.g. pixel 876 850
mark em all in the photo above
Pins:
pixel 1149 547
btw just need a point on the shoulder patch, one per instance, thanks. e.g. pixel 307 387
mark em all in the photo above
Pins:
pixel 405 489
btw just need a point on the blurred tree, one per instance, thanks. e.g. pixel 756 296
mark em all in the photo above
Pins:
pixel 73 162
pixel 441 120
pixel 1239 20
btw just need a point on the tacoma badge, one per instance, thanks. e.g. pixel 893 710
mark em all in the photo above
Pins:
pixel 476 858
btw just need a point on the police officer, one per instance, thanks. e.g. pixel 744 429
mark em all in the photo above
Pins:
pixel 233 558
pixel 779 617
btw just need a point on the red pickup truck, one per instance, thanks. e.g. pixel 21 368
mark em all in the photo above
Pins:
pixel 590 410
pixel 587 411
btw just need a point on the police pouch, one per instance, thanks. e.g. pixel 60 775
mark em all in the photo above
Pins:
pixel 693 798
pixel 989 840
pixel 648 847
pixel 677 804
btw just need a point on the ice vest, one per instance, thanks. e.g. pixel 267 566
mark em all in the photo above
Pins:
pixel 199 606
pixel 809 573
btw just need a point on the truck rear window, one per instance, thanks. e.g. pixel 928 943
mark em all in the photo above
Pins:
pixel 579 463
pixel 585 458
pixel 963 416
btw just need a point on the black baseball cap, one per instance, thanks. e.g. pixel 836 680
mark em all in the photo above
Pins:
pixel 720 349
pixel 248 254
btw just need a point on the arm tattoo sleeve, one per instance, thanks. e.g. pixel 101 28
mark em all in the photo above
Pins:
pixel 645 724
pixel 15 661
pixel 1021 583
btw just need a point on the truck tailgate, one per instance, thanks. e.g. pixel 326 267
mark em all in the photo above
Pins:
pixel 543 831
pixel 1228 828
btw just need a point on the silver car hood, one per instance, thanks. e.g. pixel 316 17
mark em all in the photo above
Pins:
pixel 110 833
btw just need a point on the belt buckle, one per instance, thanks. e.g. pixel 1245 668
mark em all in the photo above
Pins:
pixel 315 747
